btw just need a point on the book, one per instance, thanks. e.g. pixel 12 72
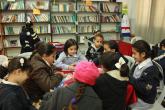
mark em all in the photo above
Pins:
pixel 62 29
pixel 17 5
pixel 87 28
pixel 37 4
pixel 13 17
pixel 63 7
pixel 41 29
pixel 110 7
pixel 63 18
pixel 88 18
pixel 43 17
pixel 12 30
pixel 111 18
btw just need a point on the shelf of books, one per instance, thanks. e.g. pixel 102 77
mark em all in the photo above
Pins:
pixel 59 20
pixel 12 19
pixel 110 19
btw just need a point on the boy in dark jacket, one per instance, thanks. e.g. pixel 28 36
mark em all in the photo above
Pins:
pixel 96 49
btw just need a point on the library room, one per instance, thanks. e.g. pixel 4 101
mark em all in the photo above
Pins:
pixel 82 55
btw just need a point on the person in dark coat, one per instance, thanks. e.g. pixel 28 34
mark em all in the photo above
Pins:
pixel 42 78
pixel 28 38
pixel 12 95
pixel 144 76
pixel 96 49
pixel 111 86
pixel 3 66
pixel 79 95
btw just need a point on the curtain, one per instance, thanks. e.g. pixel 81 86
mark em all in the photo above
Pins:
pixel 150 20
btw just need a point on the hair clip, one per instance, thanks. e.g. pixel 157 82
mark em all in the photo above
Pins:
pixel 120 63
pixel 21 61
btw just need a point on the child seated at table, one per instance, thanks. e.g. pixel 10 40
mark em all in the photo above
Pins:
pixel 70 56
pixel 96 49
pixel 77 96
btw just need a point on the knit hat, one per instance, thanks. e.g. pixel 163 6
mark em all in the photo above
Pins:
pixel 86 72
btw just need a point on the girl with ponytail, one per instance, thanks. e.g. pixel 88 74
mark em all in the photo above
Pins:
pixel 78 96
pixel 111 86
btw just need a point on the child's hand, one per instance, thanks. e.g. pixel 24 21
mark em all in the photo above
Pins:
pixel 60 73
pixel 71 67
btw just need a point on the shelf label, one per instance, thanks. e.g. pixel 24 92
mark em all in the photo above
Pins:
pixel 89 2
pixel 36 11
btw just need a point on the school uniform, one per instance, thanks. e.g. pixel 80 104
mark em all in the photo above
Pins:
pixel 64 61
pixel 62 97
pixel 145 79
pixel 112 89
pixel 13 97
pixel 93 53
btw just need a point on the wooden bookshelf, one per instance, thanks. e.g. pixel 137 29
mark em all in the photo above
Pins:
pixel 73 18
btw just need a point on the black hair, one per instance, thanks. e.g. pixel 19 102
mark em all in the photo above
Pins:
pixel 162 43
pixel 44 48
pixel 113 45
pixel 19 63
pixel 98 35
pixel 142 46
pixel 69 43
pixel 113 58
pixel 29 24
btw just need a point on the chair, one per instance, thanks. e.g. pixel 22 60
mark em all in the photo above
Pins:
pixel 161 90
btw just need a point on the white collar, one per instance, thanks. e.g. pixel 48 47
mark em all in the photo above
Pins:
pixel 116 74
pixel 46 62
pixel 144 63
pixel 10 83
pixel 95 47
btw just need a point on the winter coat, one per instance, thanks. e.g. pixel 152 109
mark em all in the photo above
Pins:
pixel 42 78
pixel 112 89
pixel 62 97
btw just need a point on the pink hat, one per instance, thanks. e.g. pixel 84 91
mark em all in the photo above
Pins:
pixel 86 72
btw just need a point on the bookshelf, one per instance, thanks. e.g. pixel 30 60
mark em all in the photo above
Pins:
pixel 59 20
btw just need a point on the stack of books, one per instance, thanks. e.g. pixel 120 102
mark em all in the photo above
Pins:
pixel 63 7
pixel 61 29
pixel 106 7
pixel 86 8
pixel 39 18
pixel 87 28
pixel 88 18
pixel 37 4
pixel 12 30
pixel 112 18
pixel 63 18
pixel 17 17
pixel 17 5
pixel 42 29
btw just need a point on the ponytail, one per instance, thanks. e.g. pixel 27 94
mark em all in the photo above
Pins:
pixel 124 70
pixel 79 93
